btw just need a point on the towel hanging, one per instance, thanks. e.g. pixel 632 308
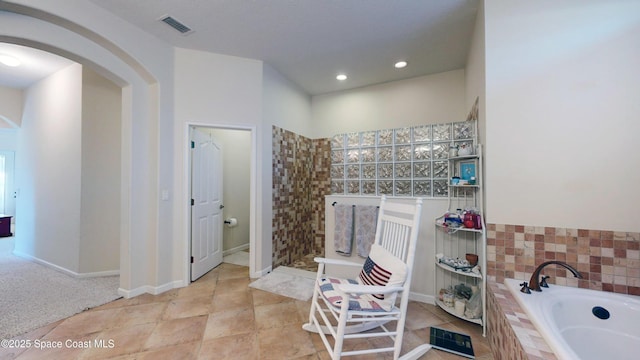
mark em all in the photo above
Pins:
pixel 343 229
pixel 366 220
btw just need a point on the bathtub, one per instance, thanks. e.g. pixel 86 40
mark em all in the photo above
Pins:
pixel 583 324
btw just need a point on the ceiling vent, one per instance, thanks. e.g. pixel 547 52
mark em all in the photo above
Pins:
pixel 180 27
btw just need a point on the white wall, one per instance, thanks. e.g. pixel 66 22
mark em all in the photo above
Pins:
pixel 100 174
pixel 8 139
pixel 68 173
pixel 475 73
pixel 143 65
pixel 236 155
pixel 562 109
pixel 10 107
pixel 48 161
pixel 223 91
pixel 428 99
pixel 286 106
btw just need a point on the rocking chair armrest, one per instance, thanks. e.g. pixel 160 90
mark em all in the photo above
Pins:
pixel 368 289
pixel 335 262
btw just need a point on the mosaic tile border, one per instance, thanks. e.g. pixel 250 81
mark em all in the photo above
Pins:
pixel 608 260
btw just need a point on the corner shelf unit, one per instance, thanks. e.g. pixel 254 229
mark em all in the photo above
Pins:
pixel 455 242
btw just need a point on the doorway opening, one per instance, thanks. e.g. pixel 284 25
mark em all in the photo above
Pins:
pixel 237 200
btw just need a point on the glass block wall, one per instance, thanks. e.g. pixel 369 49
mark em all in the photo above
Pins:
pixel 410 161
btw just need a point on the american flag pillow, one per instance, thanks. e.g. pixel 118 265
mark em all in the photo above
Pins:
pixel 382 269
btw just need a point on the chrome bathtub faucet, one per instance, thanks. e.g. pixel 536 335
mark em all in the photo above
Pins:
pixel 535 284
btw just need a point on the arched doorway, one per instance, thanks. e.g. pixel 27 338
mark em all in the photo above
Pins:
pixel 140 238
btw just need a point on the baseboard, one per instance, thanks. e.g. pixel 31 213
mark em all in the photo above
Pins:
pixel 235 249
pixel 148 289
pixel 260 273
pixel 423 298
pixel 99 274
pixel 64 270
pixel 296 272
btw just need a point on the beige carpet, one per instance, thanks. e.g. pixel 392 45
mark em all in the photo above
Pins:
pixel 33 295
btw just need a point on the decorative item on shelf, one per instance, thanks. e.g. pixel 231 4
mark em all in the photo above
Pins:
pixel 456 264
pixel 460 304
pixel 455 180
pixel 472 180
pixel 477 221
pixel 472 259
pixel 463 291
pixel 467 170
pixel 453 150
pixel 473 308
pixel 465 150
pixel 472 219
pixel 452 220
pixel 448 298
pixel 468 220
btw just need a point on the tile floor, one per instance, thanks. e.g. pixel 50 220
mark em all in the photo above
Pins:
pixel 217 317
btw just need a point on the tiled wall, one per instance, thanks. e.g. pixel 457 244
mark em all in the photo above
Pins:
pixel 608 260
pixel 300 182
pixel 510 332
pixel 320 187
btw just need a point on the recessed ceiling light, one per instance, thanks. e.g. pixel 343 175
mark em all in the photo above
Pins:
pixel 400 64
pixel 341 77
pixel 9 60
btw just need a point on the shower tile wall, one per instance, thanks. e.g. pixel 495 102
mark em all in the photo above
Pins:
pixel 300 182
pixel 320 187
pixel 608 260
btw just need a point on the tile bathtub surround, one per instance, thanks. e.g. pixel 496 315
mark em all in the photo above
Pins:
pixel 510 333
pixel 608 260
pixel 300 182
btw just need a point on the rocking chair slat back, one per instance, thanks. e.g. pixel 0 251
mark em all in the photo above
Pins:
pixel 397 232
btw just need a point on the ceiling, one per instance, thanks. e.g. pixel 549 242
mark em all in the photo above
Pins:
pixel 311 41
pixel 36 65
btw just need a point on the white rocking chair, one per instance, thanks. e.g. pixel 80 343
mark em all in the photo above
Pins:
pixel 348 309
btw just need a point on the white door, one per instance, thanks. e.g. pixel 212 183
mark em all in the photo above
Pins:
pixel 206 203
